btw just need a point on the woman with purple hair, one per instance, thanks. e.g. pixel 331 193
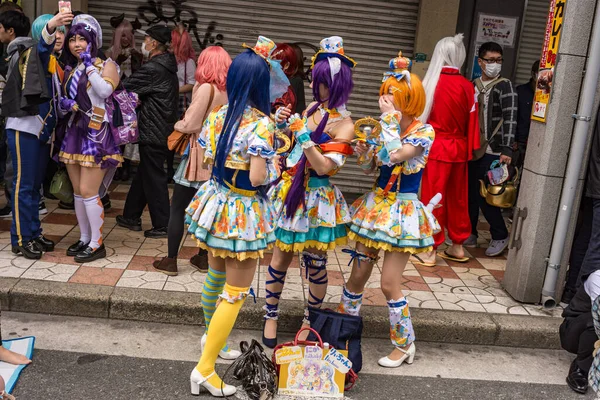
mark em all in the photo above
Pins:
pixel 88 148
pixel 313 212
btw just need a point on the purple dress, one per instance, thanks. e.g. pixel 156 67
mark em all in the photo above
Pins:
pixel 83 145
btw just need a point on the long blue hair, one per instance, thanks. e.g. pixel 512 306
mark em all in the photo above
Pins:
pixel 247 84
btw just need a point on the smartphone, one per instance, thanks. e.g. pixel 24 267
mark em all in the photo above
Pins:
pixel 64 7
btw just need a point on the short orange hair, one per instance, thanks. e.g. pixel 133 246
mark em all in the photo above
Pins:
pixel 409 100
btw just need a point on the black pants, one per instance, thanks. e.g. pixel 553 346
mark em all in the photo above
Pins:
pixel 592 255
pixel 577 336
pixel 493 215
pixel 182 196
pixel 583 232
pixel 149 187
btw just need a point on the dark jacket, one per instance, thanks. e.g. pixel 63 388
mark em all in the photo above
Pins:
pixel 525 94
pixel 23 95
pixel 593 174
pixel 157 86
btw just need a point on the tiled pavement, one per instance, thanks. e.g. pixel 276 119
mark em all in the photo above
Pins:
pixel 475 286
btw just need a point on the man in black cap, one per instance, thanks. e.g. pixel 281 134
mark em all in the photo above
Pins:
pixel 157 86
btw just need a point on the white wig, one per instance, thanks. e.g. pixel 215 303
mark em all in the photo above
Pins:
pixel 450 51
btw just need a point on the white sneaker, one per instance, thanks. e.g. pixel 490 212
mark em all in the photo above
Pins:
pixel 226 353
pixel 197 380
pixel 496 247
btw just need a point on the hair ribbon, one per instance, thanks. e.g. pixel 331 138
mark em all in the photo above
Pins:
pixel 399 75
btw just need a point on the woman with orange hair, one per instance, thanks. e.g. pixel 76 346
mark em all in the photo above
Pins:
pixel 391 217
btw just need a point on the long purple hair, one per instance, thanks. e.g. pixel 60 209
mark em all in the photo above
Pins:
pixel 90 36
pixel 339 93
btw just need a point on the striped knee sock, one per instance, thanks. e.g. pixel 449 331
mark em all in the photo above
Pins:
pixel 213 286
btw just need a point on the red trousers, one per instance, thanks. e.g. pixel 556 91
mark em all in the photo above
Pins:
pixel 451 180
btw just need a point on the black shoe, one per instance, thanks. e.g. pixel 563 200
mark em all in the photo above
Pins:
pixel 66 206
pixel 125 175
pixel 130 224
pixel 30 250
pixel 270 343
pixel 76 248
pixel 89 254
pixel 106 202
pixel 577 378
pixel 6 212
pixel 44 244
pixel 42 208
pixel 156 233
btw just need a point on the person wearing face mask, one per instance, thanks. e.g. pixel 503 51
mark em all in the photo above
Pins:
pixel 497 125
pixel 157 86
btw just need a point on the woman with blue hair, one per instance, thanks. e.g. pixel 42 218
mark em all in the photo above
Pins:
pixel 36 32
pixel 230 215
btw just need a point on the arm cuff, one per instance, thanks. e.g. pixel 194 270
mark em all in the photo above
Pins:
pixel 48 38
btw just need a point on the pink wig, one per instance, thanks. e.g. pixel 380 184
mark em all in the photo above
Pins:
pixel 182 46
pixel 213 65
pixel 123 30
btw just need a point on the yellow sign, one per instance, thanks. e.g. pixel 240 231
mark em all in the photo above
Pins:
pixel 545 76
pixel 286 355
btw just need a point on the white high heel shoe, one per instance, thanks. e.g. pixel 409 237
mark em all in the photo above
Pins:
pixel 409 356
pixel 230 354
pixel 197 380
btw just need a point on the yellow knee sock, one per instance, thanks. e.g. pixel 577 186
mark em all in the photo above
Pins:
pixel 220 327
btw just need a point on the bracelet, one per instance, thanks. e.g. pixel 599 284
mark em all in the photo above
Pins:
pixel 307 145
pixel 281 125
pixel 303 138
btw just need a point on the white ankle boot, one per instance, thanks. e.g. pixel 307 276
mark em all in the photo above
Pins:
pixel 409 356
pixel 228 354
pixel 197 380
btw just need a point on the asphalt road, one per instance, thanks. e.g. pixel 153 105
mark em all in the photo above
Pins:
pixel 93 359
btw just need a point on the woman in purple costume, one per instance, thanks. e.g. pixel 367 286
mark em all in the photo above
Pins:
pixel 88 148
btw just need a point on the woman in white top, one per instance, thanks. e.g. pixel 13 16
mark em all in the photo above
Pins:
pixel 183 49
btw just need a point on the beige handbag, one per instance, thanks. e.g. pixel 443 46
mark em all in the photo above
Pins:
pixel 194 171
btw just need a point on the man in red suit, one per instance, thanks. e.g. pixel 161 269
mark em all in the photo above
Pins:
pixel 453 112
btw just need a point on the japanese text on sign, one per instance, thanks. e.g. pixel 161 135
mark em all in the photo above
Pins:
pixel 338 360
pixel 545 76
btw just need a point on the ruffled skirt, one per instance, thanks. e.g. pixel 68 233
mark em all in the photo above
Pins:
pixel 231 222
pixel 393 222
pixel 321 225
pixel 95 149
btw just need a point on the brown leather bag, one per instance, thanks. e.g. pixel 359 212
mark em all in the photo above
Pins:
pixel 178 141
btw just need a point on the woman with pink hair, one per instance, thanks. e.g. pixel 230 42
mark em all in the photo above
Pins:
pixel 210 78
pixel 122 49
pixel 183 49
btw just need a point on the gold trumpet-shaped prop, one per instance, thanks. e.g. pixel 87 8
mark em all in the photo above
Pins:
pixel 284 143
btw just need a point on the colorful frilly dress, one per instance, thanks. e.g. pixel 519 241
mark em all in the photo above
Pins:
pixel 83 145
pixel 234 219
pixel 319 223
pixel 390 217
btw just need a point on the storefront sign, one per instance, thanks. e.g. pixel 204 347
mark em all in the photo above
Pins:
pixel 548 60
pixel 496 28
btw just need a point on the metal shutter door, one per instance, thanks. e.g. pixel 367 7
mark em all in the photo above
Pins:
pixel 532 37
pixel 373 32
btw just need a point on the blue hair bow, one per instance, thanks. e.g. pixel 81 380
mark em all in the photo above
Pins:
pixel 399 75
